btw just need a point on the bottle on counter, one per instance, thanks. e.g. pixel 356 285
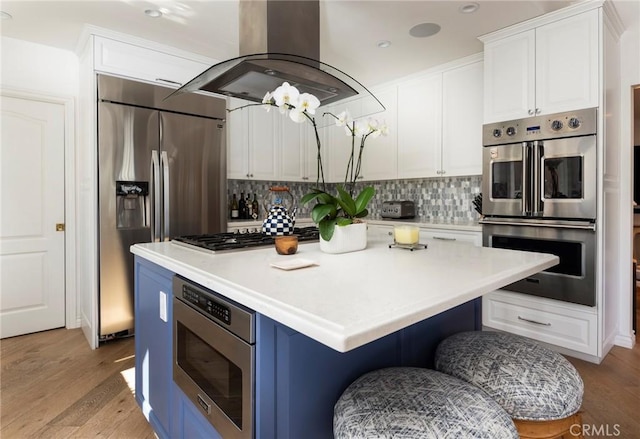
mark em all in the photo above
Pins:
pixel 255 207
pixel 242 206
pixel 249 206
pixel 234 207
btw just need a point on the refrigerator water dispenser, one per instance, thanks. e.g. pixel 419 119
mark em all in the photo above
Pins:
pixel 132 201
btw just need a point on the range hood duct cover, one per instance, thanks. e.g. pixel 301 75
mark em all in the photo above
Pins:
pixel 279 41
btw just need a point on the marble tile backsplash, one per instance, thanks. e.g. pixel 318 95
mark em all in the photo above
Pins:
pixel 448 199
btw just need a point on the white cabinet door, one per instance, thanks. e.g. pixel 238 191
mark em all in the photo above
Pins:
pixel 419 127
pixel 462 121
pixel 252 148
pixel 263 151
pixel 380 160
pixel 292 144
pixel 509 82
pixel 237 140
pixel 567 64
pixel 138 62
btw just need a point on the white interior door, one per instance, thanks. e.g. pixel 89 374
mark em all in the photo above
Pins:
pixel 32 293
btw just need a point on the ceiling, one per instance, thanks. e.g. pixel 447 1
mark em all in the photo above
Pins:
pixel 349 30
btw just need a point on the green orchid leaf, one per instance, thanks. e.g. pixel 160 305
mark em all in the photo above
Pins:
pixel 325 198
pixel 362 213
pixel 326 228
pixel 346 202
pixel 363 199
pixel 315 193
pixel 342 221
pixel 322 211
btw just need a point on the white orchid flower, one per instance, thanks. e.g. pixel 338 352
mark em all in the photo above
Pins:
pixel 267 100
pixel 360 128
pixel 286 96
pixel 384 128
pixel 372 128
pixel 297 115
pixel 308 102
pixel 343 119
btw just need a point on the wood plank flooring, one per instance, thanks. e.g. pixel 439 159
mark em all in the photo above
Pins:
pixel 53 386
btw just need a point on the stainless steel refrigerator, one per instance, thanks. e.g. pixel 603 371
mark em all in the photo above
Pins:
pixel 161 174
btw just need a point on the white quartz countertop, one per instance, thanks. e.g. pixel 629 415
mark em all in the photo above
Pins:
pixel 348 300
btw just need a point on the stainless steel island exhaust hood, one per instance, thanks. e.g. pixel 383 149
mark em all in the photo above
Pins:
pixel 279 41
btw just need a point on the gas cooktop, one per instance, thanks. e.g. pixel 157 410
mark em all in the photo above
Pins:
pixel 236 241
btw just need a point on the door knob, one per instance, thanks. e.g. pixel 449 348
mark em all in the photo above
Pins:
pixel 60 227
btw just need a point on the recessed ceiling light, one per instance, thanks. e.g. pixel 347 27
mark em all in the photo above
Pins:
pixel 424 30
pixel 383 44
pixel 5 15
pixel 469 8
pixel 153 13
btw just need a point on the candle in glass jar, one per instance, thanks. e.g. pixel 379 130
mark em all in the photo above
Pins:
pixel 406 234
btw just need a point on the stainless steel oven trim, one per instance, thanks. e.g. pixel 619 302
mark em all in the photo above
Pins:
pixel 236 350
pixel 558 224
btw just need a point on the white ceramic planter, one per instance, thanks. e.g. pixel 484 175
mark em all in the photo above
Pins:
pixel 346 239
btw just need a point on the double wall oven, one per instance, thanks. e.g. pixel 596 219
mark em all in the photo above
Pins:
pixel 539 194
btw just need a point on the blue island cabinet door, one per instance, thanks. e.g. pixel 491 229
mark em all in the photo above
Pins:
pixel 298 380
pixel 188 422
pixel 153 342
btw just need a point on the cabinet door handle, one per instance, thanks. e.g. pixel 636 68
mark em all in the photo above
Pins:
pixel 442 238
pixel 537 111
pixel 530 112
pixel 533 321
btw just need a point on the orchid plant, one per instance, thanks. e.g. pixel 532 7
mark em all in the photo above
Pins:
pixel 330 210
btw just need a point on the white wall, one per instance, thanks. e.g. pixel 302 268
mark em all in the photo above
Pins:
pixel 38 68
pixel 46 73
pixel 629 12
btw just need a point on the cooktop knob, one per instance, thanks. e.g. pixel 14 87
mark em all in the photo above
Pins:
pixel 574 122
pixel 556 125
pixel 497 133
pixel 511 131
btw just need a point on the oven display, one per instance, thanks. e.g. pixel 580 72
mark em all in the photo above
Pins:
pixel 206 304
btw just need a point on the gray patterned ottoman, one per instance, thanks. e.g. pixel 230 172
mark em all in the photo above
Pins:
pixel 412 403
pixel 532 383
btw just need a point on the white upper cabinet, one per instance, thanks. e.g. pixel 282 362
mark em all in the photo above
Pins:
pixel 292 142
pixel 380 158
pixel 141 63
pixel 440 124
pixel 419 127
pixel 550 68
pixel 462 91
pixel 252 151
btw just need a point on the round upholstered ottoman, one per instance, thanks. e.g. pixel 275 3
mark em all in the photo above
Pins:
pixel 411 403
pixel 538 387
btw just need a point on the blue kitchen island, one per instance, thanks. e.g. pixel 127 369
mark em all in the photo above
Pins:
pixel 317 328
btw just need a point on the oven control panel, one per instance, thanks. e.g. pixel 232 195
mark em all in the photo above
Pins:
pixel 206 304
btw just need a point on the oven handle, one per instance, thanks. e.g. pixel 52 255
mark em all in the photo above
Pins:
pixel 581 225
pixel 526 179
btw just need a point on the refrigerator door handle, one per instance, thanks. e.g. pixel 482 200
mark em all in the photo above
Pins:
pixel 164 160
pixel 155 196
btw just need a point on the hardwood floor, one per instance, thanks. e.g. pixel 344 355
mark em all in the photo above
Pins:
pixel 52 385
